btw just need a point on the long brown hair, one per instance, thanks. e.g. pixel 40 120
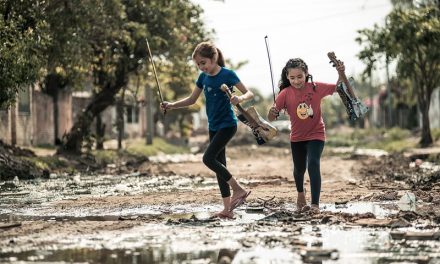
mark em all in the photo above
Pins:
pixel 294 64
pixel 208 50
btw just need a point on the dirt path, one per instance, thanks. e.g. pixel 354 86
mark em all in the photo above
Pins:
pixel 268 172
pixel 104 213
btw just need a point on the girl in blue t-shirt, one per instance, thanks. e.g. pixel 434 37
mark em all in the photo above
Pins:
pixel 222 121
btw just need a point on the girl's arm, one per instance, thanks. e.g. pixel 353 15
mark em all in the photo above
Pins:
pixel 187 101
pixel 246 94
pixel 340 67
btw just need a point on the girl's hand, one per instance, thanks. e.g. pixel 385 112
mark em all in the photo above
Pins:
pixel 274 112
pixel 236 100
pixel 340 67
pixel 165 106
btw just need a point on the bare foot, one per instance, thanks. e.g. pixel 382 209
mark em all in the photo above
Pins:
pixel 312 209
pixel 301 201
pixel 238 194
pixel 238 199
pixel 315 208
pixel 225 214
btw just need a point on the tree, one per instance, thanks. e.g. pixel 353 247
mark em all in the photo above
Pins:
pixel 68 50
pixel 21 38
pixel 411 37
pixel 172 27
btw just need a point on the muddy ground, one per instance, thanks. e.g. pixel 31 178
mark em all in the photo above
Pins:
pixel 375 208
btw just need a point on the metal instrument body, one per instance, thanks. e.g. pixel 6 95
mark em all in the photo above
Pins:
pixel 354 107
pixel 262 130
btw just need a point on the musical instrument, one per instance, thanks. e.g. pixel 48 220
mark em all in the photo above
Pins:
pixel 262 130
pixel 354 107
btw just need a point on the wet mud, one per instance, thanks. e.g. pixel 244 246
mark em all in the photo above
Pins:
pixel 163 214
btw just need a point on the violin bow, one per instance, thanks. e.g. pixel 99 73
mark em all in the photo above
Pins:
pixel 155 75
pixel 270 67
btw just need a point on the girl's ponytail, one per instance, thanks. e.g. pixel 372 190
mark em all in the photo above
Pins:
pixel 220 59
pixel 208 50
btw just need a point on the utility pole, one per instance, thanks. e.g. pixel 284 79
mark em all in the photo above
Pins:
pixel 371 100
pixel 149 115
pixel 13 124
pixel 390 113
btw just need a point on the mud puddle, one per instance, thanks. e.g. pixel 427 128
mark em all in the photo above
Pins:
pixel 71 187
pixel 353 232
pixel 187 234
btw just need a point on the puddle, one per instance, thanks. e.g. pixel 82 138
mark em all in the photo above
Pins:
pixel 119 256
pixel 380 210
pixel 46 212
pixel 71 187
pixel 185 233
pixel 261 242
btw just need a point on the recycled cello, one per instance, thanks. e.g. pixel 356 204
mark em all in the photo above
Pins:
pixel 354 107
pixel 262 130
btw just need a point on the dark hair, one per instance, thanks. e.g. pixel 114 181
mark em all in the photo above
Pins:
pixel 293 64
pixel 208 50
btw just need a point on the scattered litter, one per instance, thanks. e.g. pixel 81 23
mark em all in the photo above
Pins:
pixel 415 235
pixel 9 225
pixel 318 254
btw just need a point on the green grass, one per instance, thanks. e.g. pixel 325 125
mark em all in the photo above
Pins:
pixel 435 133
pixel 139 147
pixel 103 157
pixel 135 149
pixel 50 163
pixel 391 140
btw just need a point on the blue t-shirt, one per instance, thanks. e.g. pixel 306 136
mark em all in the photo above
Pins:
pixel 218 106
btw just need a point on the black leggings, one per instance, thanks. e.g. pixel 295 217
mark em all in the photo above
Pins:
pixel 215 157
pixel 307 154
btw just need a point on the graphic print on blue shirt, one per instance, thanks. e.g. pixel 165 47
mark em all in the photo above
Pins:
pixel 218 107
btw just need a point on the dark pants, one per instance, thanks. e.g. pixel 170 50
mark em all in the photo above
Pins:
pixel 215 157
pixel 307 154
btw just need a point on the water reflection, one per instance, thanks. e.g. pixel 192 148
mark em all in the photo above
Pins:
pixel 115 256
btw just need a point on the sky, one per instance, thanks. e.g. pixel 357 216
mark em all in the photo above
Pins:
pixel 307 29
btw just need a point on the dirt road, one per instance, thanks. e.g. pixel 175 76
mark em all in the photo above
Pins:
pixel 92 211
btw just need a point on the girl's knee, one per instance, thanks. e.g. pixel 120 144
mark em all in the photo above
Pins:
pixel 207 160
pixel 313 163
pixel 299 172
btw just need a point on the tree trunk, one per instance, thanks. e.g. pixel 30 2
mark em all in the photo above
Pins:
pixel 120 118
pixel 13 124
pixel 149 115
pixel 426 139
pixel 106 96
pixel 100 132
pixel 53 85
pixel 424 93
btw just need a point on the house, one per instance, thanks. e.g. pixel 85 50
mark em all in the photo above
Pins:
pixel 30 122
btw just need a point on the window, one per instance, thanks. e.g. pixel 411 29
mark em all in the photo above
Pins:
pixel 132 114
pixel 24 100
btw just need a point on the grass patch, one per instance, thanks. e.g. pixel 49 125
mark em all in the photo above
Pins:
pixel 435 133
pixel 104 157
pixel 139 147
pixel 135 149
pixel 50 163
pixel 391 140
